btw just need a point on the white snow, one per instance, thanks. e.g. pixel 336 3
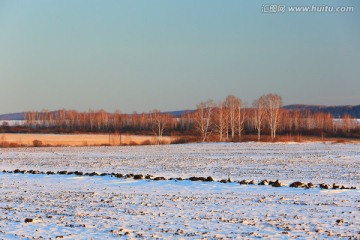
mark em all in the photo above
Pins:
pixel 310 162
pixel 82 207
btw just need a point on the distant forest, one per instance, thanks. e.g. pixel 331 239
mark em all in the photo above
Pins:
pixel 228 120
pixel 336 111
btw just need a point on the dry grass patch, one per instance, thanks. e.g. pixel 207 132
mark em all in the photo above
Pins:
pixel 38 140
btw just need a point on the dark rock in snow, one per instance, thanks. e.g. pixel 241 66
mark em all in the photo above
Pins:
pixel 78 173
pixel 138 176
pixel 339 221
pixel 297 184
pixel 264 182
pixel 244 182
pixel 323 186
pixel 276 184
pixel 197 179
pixel 173 179
pixel 129 175
pixel 159 178
pixel 209 179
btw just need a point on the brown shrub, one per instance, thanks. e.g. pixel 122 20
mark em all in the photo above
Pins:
pixel 340 141
pixel 14 145
pixel 10 145
pixel 37 143
pixel 5 144
pixel 146 142
pixel 133 143
pixel 183 140
pixel 162 142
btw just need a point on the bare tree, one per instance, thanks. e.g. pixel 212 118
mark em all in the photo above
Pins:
pixel 232 104
pixel 220 120
pixel 240 117
pixel 117 117
pixel 348 123
pixel 259 114
pixel 158 122
pixel 202 119
pixel 273 103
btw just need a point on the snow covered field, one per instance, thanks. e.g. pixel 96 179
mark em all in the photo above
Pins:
pixel 84 207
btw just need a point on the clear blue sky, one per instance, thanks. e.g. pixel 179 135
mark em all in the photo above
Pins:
pixel 137 55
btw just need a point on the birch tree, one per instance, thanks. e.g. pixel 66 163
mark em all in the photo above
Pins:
pixel 220 120
pixel 232 104
pixel 259 114
pixel 273 103
pixel 158 122
pixel 240 117
pixel 203 119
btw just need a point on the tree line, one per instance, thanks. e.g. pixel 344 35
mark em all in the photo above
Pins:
pixel 229 119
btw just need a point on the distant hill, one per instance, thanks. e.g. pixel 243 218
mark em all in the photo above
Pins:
pixel 12 116
pixel 20 116
pixel 336 111
pixel 179 113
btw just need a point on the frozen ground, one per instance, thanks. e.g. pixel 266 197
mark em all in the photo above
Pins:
pixel 83 207
pixel 314 162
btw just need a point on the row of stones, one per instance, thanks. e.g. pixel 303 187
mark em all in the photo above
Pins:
pixel 276 183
